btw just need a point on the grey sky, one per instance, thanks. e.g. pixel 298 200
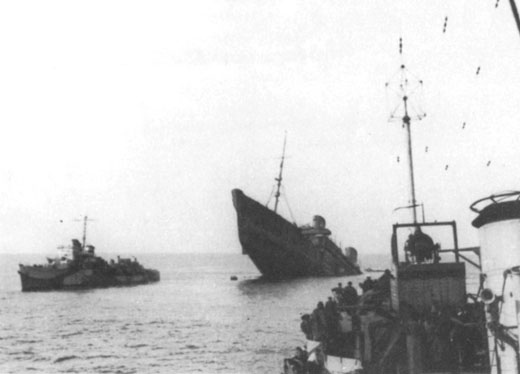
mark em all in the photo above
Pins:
pixel 144 115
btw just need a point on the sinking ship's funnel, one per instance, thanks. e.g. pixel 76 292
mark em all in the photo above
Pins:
pixel 498 223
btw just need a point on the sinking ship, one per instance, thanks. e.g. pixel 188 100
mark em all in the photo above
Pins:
pixel 84 271
pixel 281 249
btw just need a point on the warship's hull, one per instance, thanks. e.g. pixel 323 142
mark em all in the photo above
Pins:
pixel 46 278
pixel 279 249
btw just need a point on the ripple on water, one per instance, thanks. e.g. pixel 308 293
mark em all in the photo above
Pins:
pixel 71 334
pixel 65 358
pixel 92 357
pixel 28 341
pixel 191 347
pixel 136 345
pixel 195 323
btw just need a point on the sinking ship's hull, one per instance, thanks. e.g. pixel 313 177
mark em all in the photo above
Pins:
pixel 40 278
pixel 279 249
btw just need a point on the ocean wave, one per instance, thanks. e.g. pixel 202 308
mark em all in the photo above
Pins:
pixel 71 370
pixel 65 358
pixel 203 325
pixel 101 356
pixel 71 334
pixel 112 369
pixel 191 346
pixel 28 341
pixel 136 345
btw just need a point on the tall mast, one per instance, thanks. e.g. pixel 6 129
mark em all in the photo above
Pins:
pixel 279 179
pixel 406 87
pixel 85 219
pixel 406 123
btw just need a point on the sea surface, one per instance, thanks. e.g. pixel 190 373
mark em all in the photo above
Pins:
pixel 195 320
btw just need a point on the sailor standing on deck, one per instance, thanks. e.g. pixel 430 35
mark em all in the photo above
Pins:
pixel 350 294
pixel 338 293
pixel 319 323
pixel 331 315
pixel 367 285
pixel 306 326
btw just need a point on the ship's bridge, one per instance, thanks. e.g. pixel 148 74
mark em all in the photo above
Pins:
pixel 424 279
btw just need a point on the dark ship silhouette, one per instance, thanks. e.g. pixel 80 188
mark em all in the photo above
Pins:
pixel 84 271
pixel 280 249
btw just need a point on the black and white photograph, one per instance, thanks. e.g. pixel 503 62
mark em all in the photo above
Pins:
pixel 264 187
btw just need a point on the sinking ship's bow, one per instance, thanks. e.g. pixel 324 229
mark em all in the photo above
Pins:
pixel 278 248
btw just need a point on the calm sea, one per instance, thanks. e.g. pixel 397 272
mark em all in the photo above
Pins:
pixel 196 320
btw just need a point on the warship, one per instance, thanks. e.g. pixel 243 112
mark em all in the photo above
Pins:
pixel 281 249
pixel 84 271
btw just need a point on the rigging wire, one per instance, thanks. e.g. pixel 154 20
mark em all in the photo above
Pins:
pixel 288 206
pixel 514 9
pixel 270 196
pixel 404 87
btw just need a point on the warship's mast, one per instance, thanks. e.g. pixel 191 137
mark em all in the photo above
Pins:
pixel 279 179
pixel 404 92
pixel 85 219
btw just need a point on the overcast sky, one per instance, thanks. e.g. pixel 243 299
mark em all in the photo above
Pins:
pixel 144 115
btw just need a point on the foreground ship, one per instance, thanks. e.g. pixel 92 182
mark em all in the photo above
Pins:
pixel 420 318
pixel 84 271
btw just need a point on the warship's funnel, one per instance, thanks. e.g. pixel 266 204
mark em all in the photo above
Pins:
pixel 498 222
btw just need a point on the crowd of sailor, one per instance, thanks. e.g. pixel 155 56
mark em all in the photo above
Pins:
pixel 326 318
pixel 333 320
pixel 451 338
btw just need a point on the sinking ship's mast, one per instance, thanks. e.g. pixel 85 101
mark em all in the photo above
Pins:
pixel 404 93
pixel 279 179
